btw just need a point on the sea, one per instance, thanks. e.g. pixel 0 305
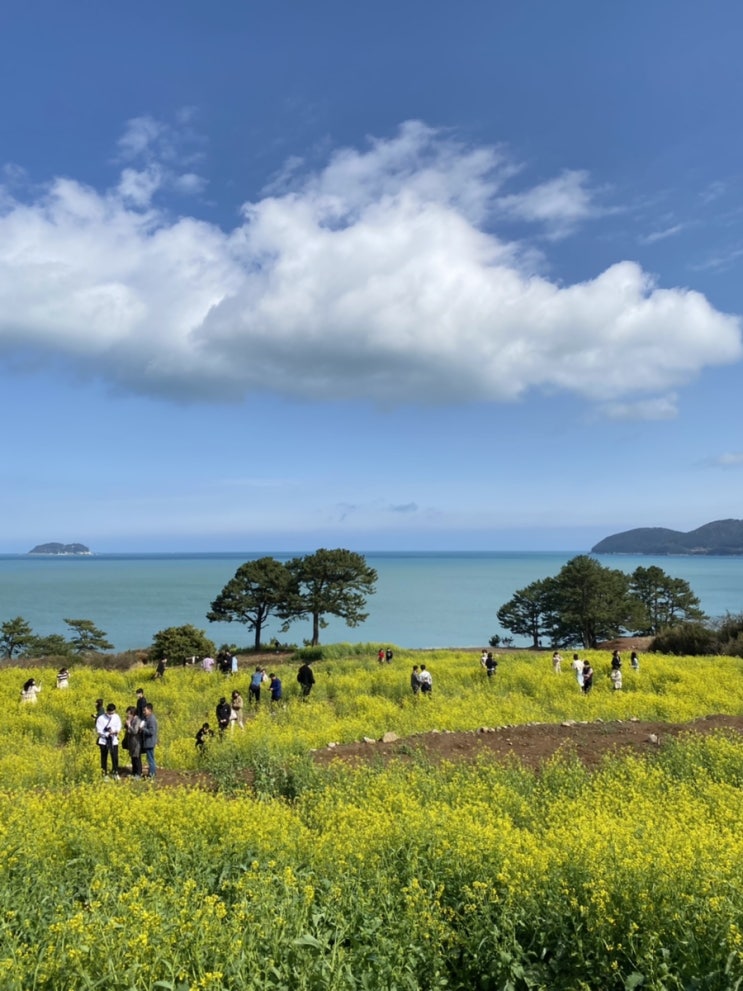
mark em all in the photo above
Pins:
pixel 422 600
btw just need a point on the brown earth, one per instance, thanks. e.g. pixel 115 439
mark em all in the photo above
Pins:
pixel 530 744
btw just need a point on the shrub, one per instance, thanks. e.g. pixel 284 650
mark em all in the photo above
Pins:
pixel 688 639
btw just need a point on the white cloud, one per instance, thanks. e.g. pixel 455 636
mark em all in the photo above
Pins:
pixel 559 203
pixel 731 459
pixel 661 235
pixel 655 408
pixel 373 278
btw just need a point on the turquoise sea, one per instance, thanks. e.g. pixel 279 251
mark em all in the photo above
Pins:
pixel 437 599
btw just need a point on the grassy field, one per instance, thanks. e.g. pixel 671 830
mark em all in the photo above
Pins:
pixel 384 876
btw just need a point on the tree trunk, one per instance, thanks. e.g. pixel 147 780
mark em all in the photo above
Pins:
pixel 315 629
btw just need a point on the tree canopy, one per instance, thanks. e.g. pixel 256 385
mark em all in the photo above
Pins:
pixel 587 602
pixel 16 636
pixel 334 582
pixel 258 590
pixel 178 643
pixel 86 637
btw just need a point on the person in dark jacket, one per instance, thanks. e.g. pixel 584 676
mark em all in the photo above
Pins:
pixel 306 678
pixel 223 713
pixel 149 739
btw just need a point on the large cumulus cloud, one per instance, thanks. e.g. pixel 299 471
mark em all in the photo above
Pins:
pixel 378 277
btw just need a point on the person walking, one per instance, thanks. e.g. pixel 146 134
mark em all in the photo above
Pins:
pixel 277 692
pixel 108 727
pixel 577 665
pixel 426 680
pixel 306 679
pixel 415 680
pixel 149 739
pixel 133 740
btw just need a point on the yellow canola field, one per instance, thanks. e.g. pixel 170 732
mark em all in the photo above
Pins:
pixel 406 876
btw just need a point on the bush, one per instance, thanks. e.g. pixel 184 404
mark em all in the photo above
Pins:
pixel 688 639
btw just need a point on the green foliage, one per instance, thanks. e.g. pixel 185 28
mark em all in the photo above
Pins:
pixel 55 645
pixel 178 643
pixel 587 602
pixel 666 601
pixel 528 612
pixel 334 582
pixel 87 638
pixel 258 590
pixel 16 636
pixel 687 639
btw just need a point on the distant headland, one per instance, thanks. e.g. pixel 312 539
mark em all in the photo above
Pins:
pixel 723 537
pixel 66 549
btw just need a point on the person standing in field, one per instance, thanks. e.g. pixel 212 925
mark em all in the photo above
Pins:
pixel 237 715
pixel 306 679
pixel 587 678
pixel 108 727
pixel 616 679
pixel 254 689
pixel 63 678
pixel 557 662
pixel 634 661
pixel 29 691
pixel 577 665
pixel 223 713
pixel 380 655
pixel 388 655
pixel 415 680
pixel 426 680
pixel 483 657
pixel 141 703
pixel 149 739
pixel 160 669
pixel 491 664
pixel 616 661
pixel 133 740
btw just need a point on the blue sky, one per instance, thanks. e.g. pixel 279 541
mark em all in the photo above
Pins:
pixel 282 275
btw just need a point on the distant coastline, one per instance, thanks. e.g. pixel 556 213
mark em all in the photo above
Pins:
pixel 61 550
pixel 722 538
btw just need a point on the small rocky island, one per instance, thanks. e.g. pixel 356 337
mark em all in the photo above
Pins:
pixel 722 537
pixel 61 549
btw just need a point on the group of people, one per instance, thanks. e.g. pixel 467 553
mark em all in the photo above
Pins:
pixel 421 681
pixel 489 662
pixel 138 734
pixel 232 713
pixel 32 687
pixel 385 656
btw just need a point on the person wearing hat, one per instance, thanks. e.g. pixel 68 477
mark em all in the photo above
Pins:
pixel 108 727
